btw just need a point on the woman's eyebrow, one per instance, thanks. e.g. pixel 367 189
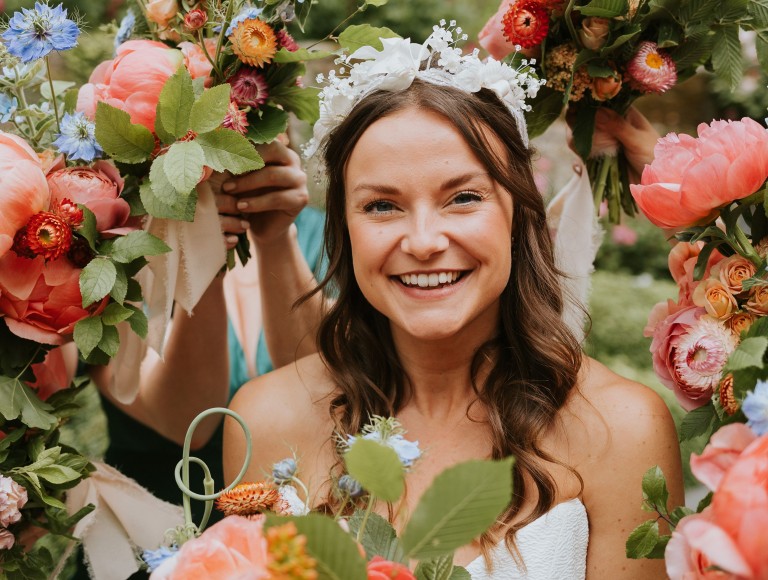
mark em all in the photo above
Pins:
pixel 375 187
pixel 458 180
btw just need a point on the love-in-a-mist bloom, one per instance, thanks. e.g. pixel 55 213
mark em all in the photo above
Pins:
pixel 125 30
pixel 13 497
pixel 651 70
pixel 526 23
pixel 755 407
pixel 8 107
pixel 77 139
pixel 249 87
pixel 34 33
pixel 253 42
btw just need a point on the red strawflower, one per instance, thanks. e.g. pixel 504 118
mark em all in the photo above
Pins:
pixel 21 245
pixel 651 70
pixel 70 213
pixel 249 87
pixel 48 235
pixel 195 19
pixel 286 41
pixel 235 119
pixel 526 23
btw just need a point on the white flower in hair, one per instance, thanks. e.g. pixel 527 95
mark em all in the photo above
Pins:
pixel 437 61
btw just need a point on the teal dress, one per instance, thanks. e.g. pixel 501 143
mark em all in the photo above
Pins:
pixel 149 458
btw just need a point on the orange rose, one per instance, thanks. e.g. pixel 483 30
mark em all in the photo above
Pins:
pixel 604 88
pixel 713 296
pixel 740 322
pixel 733 271
pixel 758 300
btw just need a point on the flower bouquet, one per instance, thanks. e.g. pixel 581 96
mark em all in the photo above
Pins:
pixel 710 345
pixel 270 531
pixel 607 53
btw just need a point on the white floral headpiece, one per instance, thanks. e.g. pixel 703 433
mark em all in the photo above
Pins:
pixel 437 61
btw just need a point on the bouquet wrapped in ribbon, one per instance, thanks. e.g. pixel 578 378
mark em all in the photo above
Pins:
pixel 607 53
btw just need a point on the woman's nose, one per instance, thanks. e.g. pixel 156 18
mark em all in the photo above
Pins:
pixel 424 238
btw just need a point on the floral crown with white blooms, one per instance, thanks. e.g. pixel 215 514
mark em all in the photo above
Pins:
pixel 437 61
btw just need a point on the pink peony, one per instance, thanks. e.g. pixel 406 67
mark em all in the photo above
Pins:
pixel 492 39
pixel 41 301
pixel 23 191
pixel 722 451
pixel 651 70
pixel 690 178
pixel 7 539
pixel 194 57
pixel 12 498
pixel 98 188
pixel 51 375
pixel 233 548
pixel 132 81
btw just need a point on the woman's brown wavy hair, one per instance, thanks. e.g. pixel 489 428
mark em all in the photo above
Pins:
pixel 533 360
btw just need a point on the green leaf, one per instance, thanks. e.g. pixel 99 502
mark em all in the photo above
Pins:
pixel 88 228
pixel 302 55
pixel 136 244
pixel 273 121
pixel 546 109
pixel 732 10
pixel 58 474
pixel 138 321
pixel 749 353
pixel 70 100
pixel 642 540
pixel 121 284
pixel 87 334
pixel 377 468
pixel 17 399
pixel 600 70
pixel 210 109
pixel 631 33
pixel 657 553
pixel 227 150
pixel 583 130
pixel 120 139
pixel 376 3
pixel 360 35
pixel 333 549
pixel 727 58
pixel 183 165
pixel 462 502
pixel 655 489
pixel 115 313
pixel 59 88
pixel 460 573
pixel 698 422
pixel 758 10
pixel 379 538
pixel 182 208
pixel 302 13
pixel 679 513
pixel 162 187
pixel 693 51
pixel 302 102
pixel 669 35
pixel 96 280
pixel 604 8
pixel 175 104
pixel 704 503
pixel 435 569
pixel 110 341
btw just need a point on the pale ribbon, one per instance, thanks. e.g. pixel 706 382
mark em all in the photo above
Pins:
pixel 125 515
pixel 572 218
pixel 182 275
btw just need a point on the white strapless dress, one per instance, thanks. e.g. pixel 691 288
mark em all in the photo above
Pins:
pixel 553 547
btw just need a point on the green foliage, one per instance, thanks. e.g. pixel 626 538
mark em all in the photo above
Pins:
pixel 88 334
pixel 226 150
pixel 358 36
pixel 749 353
pixel 700 421
pixel 643 540
pixel 175 105
pixel 18 400
pixel 183 166
pixel 726 55
pixel 377 468
pixel 272 121
pixel 379 538
pixel 283 55
pixel 135 245
pixel 603 8
pixel 655 493
pixel 122 140
pixel 209 110
pixel 96 280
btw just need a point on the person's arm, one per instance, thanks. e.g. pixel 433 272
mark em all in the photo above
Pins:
pixel 634 432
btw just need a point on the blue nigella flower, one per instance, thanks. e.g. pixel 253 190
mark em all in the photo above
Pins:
pixel 407 451
pixel 755 407
pixel 77 139
pixel 247 13
pixel 8 106
pixel 350 486
pixel 154 558
pixel 125 30
pixel 284 470
pixel 32 34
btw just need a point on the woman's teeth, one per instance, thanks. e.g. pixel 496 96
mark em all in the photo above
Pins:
pixel 430 280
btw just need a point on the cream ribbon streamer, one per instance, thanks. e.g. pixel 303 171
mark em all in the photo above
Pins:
pixel 181 275
pixel 126 515
pixel 572 218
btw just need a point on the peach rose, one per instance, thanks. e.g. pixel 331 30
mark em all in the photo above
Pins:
pixel 194 58
pixel 594 33
pixel 740 322
pixel 41 301
pixel 690 178
pixel 722 451
pixel 98 188
pixel 161 12
pixel 491 37
pixel 712 295
pixel 23 191
pixel 381 569
pixel 733 271
pixel 604 88
pixel 7 539
pixel 758 300
pixel 235 547
pixel 682 261
pixel 132 81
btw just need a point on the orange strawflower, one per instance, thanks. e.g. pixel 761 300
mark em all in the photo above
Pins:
pixel 288 559
pixel 254 42
pixel 727 401
pixel 47 235
pixel 248 499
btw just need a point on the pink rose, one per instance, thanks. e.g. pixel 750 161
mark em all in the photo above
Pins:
pixel 697 545
pixel 7 539
pixel 722 451
pixel 41 301
pixel 161 12
pixel 132 81
pixel 691 177
pixel 381 569
pixel 594 32
pixel 235 547
pixel 491 37
pixel 98 188
pixel 51 375
pixel 194 58
pixel 23 191
pixel 12 498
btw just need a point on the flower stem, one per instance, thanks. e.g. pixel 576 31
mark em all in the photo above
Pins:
pixel 344 500
pixel 220 41
pixel 368 510
pixel 53 93
pixel 29 362
pixel 303 487
pixel 335 28
pixel 201 40
pixel 601 181
pixel 747 250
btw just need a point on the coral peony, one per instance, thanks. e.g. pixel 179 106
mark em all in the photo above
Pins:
pixel 161 12
pixel 381 569
pixel 132 81
pixel 13 497
pixel 41 301
pixel 690 178
pixel 52 375
pixel 98 188
pixel 722 451
pixel 233 548
pixel 23 191
pixel 254 42
pixel 194 58
pixel 651 70
pixel 526 23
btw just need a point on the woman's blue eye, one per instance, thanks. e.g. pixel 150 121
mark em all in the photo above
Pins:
pixel 466 198
pixel 379 206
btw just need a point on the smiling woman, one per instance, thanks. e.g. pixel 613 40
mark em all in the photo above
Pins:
pixel 449 317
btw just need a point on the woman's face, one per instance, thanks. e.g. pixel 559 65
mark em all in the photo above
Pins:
pixel 430 229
